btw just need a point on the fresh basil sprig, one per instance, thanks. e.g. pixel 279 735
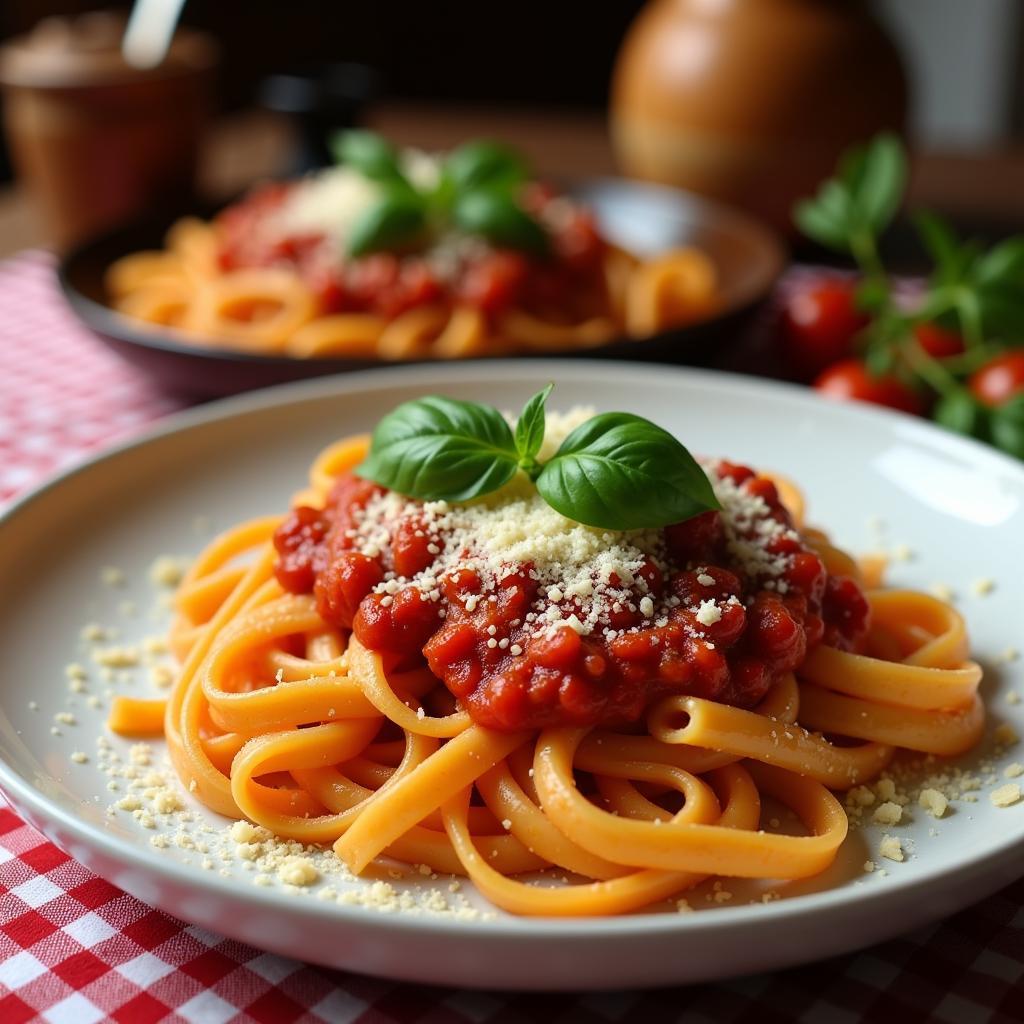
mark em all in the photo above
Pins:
pixel 852 209
pixel 475 194
pixel 973 292
pixel 617 471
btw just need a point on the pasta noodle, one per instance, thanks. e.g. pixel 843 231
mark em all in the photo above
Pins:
pixel 283 719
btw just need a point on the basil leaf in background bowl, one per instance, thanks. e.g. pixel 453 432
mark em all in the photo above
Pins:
pixel 395 220
pixel 618 471
pixel 484 163
pixel 496 216
pixel 438 448
pixel 373 157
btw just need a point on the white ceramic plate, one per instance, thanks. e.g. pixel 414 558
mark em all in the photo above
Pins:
pixel 958 505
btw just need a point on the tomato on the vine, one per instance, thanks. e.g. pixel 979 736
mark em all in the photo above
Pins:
pixel 850 379
pixel 937 341
pixel 999 380
pixel 819 323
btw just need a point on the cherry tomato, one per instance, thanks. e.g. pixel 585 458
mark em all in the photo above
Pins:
pixel 937 341
pixel 494 282
pixel 818 326
pixel 999 379
pixel 850 379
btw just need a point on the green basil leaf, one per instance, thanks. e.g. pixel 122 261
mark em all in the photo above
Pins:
pixel 941 245
pixel 393 221
pixel 1003 264
pixel 529 433
pixel 835 201
pixel 960 411
pixel 484 163
pixel 496 216
pixel 1008 426
pixel 438 449
pixel 878 179
pixel 820 226
pixel 618 471
pixel 374 157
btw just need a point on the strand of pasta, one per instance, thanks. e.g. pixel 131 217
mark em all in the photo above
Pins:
pixel 929 732
pixel 747 734
pixel 459 763
pixel 740 810
pixel 425 843
pixel 317 696
pixel 366 667
pixel 691 846
pixel 186 705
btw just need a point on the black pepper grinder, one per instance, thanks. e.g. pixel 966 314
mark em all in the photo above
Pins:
pixel 320 100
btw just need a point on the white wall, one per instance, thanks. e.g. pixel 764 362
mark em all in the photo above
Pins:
pixel 960 55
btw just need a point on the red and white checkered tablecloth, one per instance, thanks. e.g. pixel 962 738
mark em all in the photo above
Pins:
pixel 75 950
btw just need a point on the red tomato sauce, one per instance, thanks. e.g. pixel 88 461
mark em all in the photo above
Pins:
pixel 477 636
pixel 390 283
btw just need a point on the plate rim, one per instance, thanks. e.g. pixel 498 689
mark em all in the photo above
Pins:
pixel 22 794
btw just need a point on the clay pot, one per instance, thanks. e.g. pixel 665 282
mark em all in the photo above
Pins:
pixel 94 140
pixel 751 101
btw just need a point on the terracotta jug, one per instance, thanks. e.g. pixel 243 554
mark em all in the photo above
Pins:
pixel 751 101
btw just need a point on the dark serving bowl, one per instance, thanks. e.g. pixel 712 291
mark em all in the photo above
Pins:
pixel 645 219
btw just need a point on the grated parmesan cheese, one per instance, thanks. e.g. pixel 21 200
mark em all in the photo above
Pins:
pixel 1005 796
pixel 298 871
pixel 708 613
pixel 934 802
pixel 888 813
pixel 891 848
pixel 167 571
pixel 116 657
pixel 112 576
pixel 584 576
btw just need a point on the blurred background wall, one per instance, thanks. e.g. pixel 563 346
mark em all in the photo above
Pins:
pixel 963 56
pixel 964 60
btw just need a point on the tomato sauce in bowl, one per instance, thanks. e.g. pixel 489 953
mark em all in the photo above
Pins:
pixel 256 232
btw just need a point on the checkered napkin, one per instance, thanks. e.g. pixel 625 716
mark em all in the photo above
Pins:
pixel 76 950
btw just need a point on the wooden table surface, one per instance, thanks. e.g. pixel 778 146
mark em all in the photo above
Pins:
pixel 980 188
